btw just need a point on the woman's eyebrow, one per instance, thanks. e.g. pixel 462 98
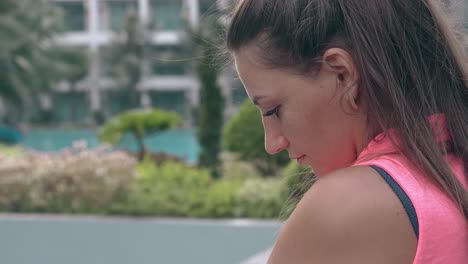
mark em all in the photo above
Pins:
pixel 257 98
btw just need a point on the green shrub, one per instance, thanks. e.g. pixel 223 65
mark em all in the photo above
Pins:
pixel 261 198
pixel 174 189
pixel 211 109
pixel 169 189
pixel 220 200
pixel 138 123
pixel 238 170
pixel 243 134
pixel 297 181
pixel 10 151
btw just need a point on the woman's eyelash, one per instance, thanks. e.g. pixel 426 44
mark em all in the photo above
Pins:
pixel 272 111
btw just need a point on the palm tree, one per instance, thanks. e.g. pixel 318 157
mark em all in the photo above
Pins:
pixel 29 64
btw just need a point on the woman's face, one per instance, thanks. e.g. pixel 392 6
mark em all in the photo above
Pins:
pixel 303 114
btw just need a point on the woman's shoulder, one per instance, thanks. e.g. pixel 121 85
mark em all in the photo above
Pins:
pixel 348 216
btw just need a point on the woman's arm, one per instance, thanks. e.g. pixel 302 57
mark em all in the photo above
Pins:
pixel 349 216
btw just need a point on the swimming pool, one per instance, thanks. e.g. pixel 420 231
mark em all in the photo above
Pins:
pixel 180 142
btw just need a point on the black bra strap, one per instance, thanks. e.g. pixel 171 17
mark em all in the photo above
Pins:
pixel 407 204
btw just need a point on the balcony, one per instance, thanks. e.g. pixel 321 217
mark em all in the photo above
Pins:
pixel 165 20
pixel 169 83
pixel 106 38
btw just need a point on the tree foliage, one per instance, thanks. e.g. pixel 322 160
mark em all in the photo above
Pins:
pixel 243 134
pixel 29 62
pixel 127 53
pixel 211 110
pixel 138 123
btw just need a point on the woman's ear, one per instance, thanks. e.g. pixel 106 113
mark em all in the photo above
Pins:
pixel 341 64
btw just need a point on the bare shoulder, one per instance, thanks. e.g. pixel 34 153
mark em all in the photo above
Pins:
pixel 349 216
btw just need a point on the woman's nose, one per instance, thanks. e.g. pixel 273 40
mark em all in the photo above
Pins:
pixel 275 143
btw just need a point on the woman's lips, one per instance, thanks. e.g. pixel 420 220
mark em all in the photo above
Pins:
pixel 300 160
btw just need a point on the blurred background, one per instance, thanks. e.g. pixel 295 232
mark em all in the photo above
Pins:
pixel 126 137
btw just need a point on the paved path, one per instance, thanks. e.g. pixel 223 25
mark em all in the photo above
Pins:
pixel 28 239
pixel 259 258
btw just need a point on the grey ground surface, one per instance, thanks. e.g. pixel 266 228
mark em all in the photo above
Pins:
pixel 39 239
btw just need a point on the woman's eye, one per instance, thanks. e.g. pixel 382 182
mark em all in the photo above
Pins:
pixel 274 111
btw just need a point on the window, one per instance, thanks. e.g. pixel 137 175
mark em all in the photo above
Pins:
pixel 168 68
pixel 74 14
pixel 166 60
pixel 119 11
pixel 171 101
pixel 166 14
pixel 105 61
pixel 116 101
pixel 70 107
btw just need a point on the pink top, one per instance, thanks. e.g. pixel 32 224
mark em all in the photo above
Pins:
pixel 443 229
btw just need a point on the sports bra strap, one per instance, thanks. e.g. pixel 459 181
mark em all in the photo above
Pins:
pixel 407 204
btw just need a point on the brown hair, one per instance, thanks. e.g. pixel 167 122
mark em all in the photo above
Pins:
pixel 409 63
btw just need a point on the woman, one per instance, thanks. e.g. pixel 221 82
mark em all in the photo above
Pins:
pixel 373 95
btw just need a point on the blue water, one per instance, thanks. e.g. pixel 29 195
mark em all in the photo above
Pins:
pixel 180 142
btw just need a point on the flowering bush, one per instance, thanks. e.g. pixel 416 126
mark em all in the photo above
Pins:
pixel 75 180
pixel 104 181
